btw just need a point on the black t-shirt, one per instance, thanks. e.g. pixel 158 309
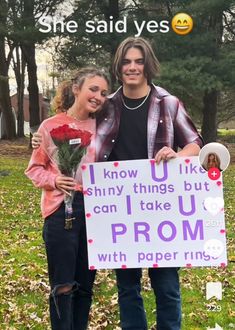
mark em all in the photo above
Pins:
pixel 131 142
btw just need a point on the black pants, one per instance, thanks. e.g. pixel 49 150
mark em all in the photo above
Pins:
pixel 68 265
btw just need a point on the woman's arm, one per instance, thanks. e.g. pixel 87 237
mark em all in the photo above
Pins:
pixel 41 171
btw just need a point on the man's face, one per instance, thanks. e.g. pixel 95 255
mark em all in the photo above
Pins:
pixel 133 68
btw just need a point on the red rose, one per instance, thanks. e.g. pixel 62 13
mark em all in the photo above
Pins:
pixel 61 133
pixel 61 136
pixel 86 138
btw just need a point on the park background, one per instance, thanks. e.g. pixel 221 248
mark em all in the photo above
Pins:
pixel 199 68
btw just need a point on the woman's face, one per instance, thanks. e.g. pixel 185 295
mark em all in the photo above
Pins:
pixel 212 162
pixel 92 95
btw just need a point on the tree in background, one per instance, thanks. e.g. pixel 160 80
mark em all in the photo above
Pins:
pixel 30 37
pixel 5 58
pixel 19 31
pixel 196 67
pixel 96 47
pixel 199 66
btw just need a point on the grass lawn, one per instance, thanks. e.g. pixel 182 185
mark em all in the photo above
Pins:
pixel 23 274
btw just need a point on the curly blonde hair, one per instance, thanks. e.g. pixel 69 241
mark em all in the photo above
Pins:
pixel 64 97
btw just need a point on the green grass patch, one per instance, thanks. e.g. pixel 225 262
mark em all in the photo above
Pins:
pixel 226 132
pixel 23 271
pixel 227 135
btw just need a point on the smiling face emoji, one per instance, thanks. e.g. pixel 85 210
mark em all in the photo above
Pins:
pixel 182 24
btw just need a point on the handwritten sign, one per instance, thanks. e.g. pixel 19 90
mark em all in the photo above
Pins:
pixel 139 214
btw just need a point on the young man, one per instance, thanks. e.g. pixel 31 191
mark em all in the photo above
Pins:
pixel 142 121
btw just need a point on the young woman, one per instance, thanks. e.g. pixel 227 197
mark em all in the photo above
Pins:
pixel 70 280
pixel 211 160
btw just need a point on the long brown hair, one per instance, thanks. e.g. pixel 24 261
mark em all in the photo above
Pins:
pixel 216 160
pixel 151 63
pixel 64 97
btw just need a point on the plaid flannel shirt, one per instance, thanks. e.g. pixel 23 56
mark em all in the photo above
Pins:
pixel 168 124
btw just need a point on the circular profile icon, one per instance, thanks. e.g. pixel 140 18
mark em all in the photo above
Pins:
pixel 214 157
pixel 182 24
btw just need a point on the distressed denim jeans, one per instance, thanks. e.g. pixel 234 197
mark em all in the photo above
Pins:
pixel 68 266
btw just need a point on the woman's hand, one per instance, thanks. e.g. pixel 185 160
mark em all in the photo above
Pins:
pixel 36 140
pixel 65 184
pixel 165 153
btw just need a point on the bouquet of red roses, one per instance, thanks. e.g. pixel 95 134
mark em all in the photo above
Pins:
pixel 71 146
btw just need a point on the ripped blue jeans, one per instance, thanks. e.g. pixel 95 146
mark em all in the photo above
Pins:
pixel 68 266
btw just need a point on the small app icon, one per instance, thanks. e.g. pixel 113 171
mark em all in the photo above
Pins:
pixel 214 205
pixel 214 289
pixel 214 247
pixel 214 173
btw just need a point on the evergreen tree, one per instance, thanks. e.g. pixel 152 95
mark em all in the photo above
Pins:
pixel 19 30
pixel 197 67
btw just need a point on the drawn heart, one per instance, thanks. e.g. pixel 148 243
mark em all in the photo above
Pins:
pixel 88 215
pixel 123 266
pixel 90 241
pixel 214 204
pixel 83 167
pixel 155 265
pixel 219 183
pixel 187 161
pixel 92 267
pixel 116 164
pixel 222 231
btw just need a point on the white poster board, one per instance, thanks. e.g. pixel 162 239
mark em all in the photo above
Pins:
pixel 139 214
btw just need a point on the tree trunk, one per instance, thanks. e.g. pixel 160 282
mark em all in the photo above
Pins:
pixel 112 9
pixel 209 123
pixel 20 122
pixel 34 109
pixel 19 69
pixel 5 101
pixel 28 49
pixel 210 99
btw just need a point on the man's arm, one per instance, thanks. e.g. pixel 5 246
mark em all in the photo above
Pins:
pixel 191 149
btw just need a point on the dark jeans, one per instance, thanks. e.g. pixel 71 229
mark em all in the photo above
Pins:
pixel 68 265
pixel 165 283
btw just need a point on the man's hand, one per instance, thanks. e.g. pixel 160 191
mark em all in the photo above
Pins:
pixel 36 140
pixel 165 153
pixel 65 183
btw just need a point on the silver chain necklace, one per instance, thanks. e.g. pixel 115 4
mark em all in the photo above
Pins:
pixel 138 106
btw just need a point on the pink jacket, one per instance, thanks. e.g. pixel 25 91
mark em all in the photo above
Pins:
pixel 42 168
